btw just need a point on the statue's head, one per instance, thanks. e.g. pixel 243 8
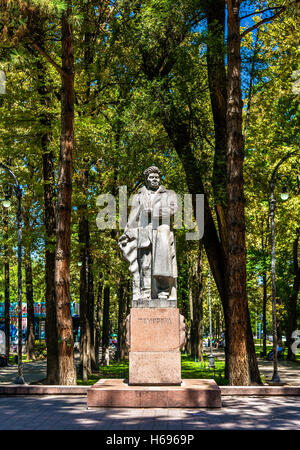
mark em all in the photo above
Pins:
pixel 152 177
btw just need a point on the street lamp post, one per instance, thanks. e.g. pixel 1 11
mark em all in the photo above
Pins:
pixel 272 207
pixel 18 192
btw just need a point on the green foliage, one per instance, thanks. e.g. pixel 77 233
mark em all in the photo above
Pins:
pixel 135 63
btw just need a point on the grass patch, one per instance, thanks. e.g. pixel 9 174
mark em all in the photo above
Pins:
pixel 189 369
pixel 114 370
pixel 197 370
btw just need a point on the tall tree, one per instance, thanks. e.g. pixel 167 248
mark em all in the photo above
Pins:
pixel 122 314
pixel 105 326
pixel 98 323
pixel 197 305
pixel 50 237
pixel 237 312
pixel 84 242
pixel 66 364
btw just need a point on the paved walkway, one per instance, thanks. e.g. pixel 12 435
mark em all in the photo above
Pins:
pixel 289 371
pixel 71 413
pixel 33 371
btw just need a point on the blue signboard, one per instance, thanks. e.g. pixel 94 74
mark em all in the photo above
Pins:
pixel 39 309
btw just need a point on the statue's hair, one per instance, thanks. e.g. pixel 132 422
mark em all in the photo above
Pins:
pixel 151 169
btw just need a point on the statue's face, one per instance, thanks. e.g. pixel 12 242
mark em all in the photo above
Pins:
pixel 153 181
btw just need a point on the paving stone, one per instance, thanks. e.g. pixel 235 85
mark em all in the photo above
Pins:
pixel 69 412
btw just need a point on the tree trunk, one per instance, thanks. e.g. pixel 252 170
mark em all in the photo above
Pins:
pixel 87 300
pixel 85 365
pixel 66 364
pixel 197 307
pixel 50 237
pixel 292 301
pixel 91 313
pixel 237 313
pixel 279 322
pixel 83 235
pixel 30 305
pixel 253 366
pixel 188 347
pixel 122 314
pixel 105 327
pixel 264 314
pixel 98 324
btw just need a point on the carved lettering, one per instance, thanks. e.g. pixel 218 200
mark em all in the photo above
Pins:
pixel 155 320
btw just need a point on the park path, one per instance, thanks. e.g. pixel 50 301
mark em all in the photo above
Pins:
pixel 33 371
pixel 289 371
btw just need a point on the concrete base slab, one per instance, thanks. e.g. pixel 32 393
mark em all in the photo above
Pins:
pixel 26 389
pixel 264 391
pixel 116 393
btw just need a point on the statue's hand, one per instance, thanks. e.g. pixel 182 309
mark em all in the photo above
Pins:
pixel 123 240
pixel 128 236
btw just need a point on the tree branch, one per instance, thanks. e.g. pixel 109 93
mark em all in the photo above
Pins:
pixel 252 73
pixel 261 12
pixel 267 19
pixel 48 57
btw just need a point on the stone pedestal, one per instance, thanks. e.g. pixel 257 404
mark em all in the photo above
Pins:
pixel 154 368
pixel 154 340
pixel 118 394
pixel 154 336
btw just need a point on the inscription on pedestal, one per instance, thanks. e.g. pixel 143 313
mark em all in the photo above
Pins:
pixel 154 330
pixel 150 320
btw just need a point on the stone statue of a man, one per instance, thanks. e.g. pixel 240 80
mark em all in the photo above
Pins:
pixel 148 243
